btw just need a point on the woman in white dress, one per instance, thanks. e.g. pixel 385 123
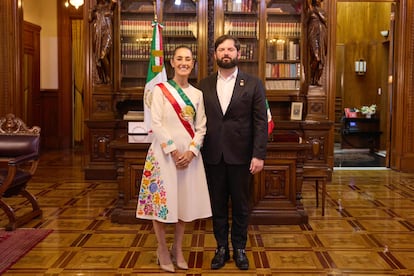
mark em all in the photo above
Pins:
pixel 174 187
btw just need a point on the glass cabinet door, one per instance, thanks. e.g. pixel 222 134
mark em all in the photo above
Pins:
pixel 241 21
pixel 283 32
pixel 135 31
pixel 180 28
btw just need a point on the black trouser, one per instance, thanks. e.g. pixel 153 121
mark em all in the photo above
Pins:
pixel 229 182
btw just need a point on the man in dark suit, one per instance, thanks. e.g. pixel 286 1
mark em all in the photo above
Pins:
pixel 234 147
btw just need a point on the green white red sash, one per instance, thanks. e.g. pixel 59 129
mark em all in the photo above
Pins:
pixel 174 99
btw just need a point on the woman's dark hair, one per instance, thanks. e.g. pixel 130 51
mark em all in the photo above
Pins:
pixel 222 38
pixel 180 47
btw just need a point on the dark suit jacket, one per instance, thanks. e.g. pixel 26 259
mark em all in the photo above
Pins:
pixel 240 133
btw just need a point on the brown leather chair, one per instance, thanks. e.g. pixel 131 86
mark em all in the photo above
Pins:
pixel 19 156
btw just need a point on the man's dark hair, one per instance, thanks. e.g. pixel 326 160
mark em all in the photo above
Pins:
pixel 222 38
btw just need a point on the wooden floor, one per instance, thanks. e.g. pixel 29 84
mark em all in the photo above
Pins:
pixel 368 229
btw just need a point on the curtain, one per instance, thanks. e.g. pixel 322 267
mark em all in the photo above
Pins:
pixel 78 63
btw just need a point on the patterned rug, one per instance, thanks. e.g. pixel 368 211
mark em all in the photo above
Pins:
pixel 15 244
pixel 358 159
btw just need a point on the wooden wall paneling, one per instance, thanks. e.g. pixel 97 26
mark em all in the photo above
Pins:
pixel 401 157
pixel 397 125
pixel 262 18
pixel 401 151
pixel 11 28
pixel 88 84
pixel 331 7
pixel 31 102
pixel 65 79
pixel 49 124
pixel 383 94
pixel 397 122
pixel 218 19
pixel 402 139
pixel 367 44
pixel 202 50
pixel 389 45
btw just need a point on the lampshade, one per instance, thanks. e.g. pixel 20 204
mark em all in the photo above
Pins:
pixel 360 67
pixel 76 3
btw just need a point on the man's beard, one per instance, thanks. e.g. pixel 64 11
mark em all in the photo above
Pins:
pixel 227 64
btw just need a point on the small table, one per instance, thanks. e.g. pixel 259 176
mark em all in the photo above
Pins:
pixel 360 133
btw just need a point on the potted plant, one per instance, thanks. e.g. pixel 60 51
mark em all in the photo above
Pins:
pixel 368 111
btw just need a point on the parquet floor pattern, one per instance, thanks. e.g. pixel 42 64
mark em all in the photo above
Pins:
pixel 368 229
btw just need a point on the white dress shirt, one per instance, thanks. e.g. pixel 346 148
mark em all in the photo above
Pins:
pixel 225 87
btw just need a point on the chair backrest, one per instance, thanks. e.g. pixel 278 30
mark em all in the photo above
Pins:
pixel 16 138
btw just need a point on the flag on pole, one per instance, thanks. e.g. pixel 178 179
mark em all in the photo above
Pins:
pixel 270 123
pixel 156 71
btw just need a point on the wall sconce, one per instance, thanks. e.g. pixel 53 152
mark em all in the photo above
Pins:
pixel 385 34
pixel 360 67
pixel 75 3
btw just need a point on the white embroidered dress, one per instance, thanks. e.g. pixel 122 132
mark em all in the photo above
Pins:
pixel 168 194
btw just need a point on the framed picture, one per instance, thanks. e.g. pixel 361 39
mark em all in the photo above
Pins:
pixel 296 111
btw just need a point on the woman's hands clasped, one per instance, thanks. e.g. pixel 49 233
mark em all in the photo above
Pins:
pixel 182 160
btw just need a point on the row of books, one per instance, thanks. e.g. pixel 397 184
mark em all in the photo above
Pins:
pixel 241 28
pixel 142 49
pixel 139 28
pixel 275 29
pixel 281 50
pixel 282 70
pixel 180 28
pixel 142 28
pixel 282 85
pixel 138 50
pixel 170 47
pixel 238 5
pixel 247 51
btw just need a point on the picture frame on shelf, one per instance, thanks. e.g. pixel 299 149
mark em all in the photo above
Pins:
pixel 296 111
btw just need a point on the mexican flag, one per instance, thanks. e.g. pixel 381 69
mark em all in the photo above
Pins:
pixel 270 123
pixel 156 71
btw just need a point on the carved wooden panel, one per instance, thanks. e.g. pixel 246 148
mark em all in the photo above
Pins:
pixel 102 107
pixel 319 150
pixel 317 108
pixel 100 145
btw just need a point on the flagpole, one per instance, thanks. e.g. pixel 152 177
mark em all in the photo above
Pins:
pixel 155 11
pixel 156 69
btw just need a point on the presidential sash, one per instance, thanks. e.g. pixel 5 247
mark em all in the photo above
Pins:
pixel 184 114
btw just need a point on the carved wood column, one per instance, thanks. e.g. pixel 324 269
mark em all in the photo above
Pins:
pixel 11 30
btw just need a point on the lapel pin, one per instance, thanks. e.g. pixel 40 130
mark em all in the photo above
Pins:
pixel 241 82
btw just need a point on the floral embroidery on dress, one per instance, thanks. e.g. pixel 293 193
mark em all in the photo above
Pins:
pixel 169 143
pixel 197 146
pixel 152 199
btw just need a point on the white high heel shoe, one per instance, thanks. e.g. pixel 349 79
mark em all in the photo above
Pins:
pixel 180 265
pixel 166 267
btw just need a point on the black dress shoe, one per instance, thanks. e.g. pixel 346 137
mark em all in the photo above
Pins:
pixel 220 258
pixel 239 256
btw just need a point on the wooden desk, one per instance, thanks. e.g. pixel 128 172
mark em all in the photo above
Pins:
pixel 360 133
pixel 275 193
